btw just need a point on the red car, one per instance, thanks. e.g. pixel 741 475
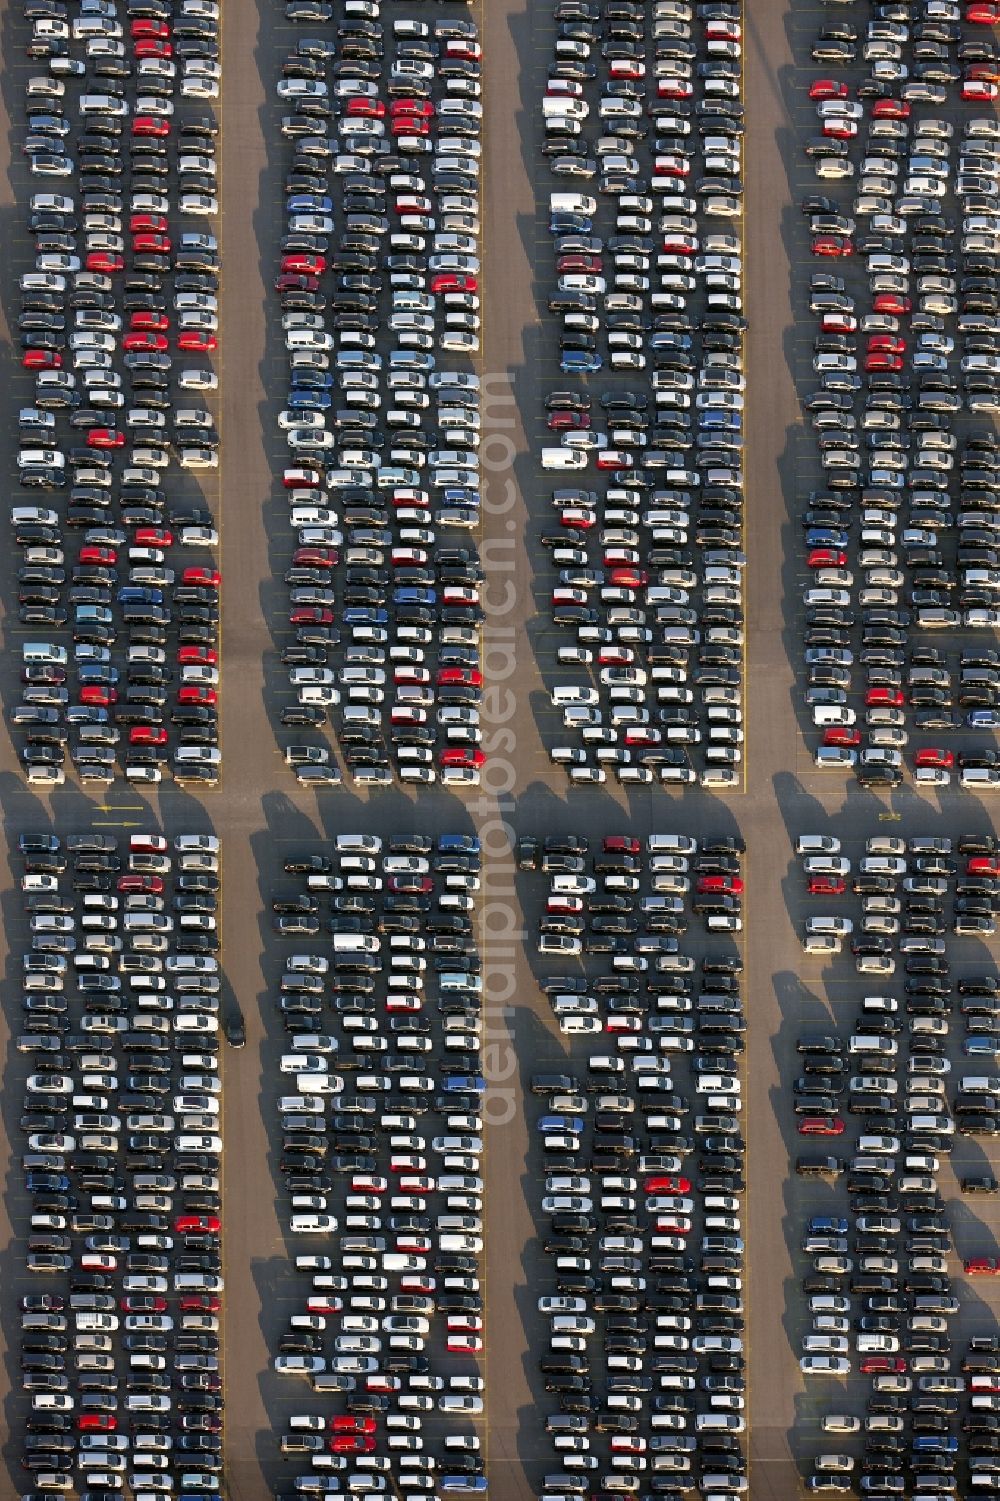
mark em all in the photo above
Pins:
pixel 821 1125
pixel 153 244
pixel 143 1305
pixel 345 1424
pixel 894 697
pixel 933 755
pixel 293 281
pixel 422 885
pixel 202 654
pixel 311 615
pixel 153 885
pixel 982 1266
pixel 674 88
pixel 840 130
pixel 147 734
pixel 197 343
pixel 983 865
pixel 422 107
pixel 826 88
pixel 832 245
pixel 987 72
pixel 882 1365
pixel 145 341
pixel 839 734
pixel 152 47
pixel 564 419
pixel 192 693
pixel 827 886
pixel 147 224
pixel 672 247
pixel 98 694
pixel 200 1303
pixel 41 359
pixel 826 557
pixel 146 26
pixel 99 555
pixel 453 281
pixel 983 13
pixel 629 577
pixel 156 322
pixel 410 125
pixel 368 108
pixel 470 676
pixel 352 1444
pixel 731 885
pixel 316 557
pixel 888 342
pixel 105 437
pixel 151 125
pixel 103 260
pixel 460 755
pixel 209 577
pixel 195 1224
pixel 882 361
pixel 153 536
pixel 892 302
pixel 621 844
pixel 307 265
pixel 328 1303
pixel 96 1422
pixel 668 1185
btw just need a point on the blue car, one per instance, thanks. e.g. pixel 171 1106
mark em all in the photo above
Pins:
pixel 133 594
pixel 578 361
pixel 571 1123
pixel 364 615
pixel 828 1224
pixel 414 596
pixel 983 719
pixel 465 1084
pixel 462 844
pixel 309 203
pixel 310 400
pixel 981 1047
pixel 570 224
pixel 458 497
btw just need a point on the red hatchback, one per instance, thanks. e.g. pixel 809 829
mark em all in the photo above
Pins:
pixel 821 1125
pixel 882 1365
pixel 935 755
pixel 41 359
pixel 367 108
pixel 352 1443
pixel 827 886
pixel 345 1424
pixel 103 260
pixel 146 26
pixel 893 697
pixel 98 696
pixel 832 245
pixel 209 577
pixel 151 884
pixel 151 244
pixel 826 88
pixel 306 265
pixel 147 734
pixel 154 343
pixel 891 109
pixel 471 677
pixel 668 1185
pixel 982 1266
pixel 191 693
pixel 157 322
pixel 457 755
pixel 153 536
pixel 105 437
pixel 892 302
pixel 152 47
pixel 731 885
pixel 203 654
pixel 99 555
pixel 196 1224
pixel 826 557
pixel 621 844
pixel 200 1303
pixel 96 1422
pixel 311 615
pixel 197 343
pixel 451 281
pixel 841 734
pixel 151 125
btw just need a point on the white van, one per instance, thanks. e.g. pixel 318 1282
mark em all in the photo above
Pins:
pixel 564 458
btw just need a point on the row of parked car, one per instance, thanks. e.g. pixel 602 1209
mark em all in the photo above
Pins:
pixel 378 284
pixel 379 1102
pixel 901 535
pixel 882 1291
pixel 646 539
pixel 124 279
pixel 120 1229
pixel 641 1188
pixel 597 904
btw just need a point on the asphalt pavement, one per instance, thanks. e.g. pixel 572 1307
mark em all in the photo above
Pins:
pixel 262 815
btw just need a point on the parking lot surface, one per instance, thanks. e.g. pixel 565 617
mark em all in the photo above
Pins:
pixel 263 815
